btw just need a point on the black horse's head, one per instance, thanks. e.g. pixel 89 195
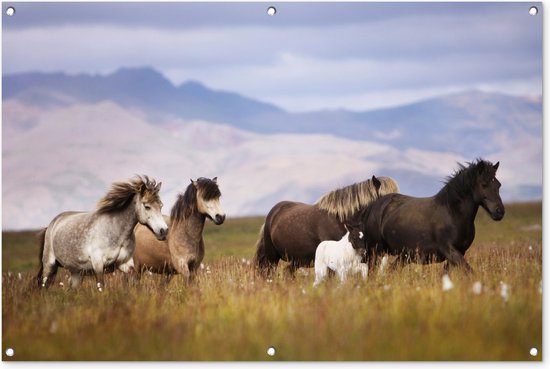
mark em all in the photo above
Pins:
pixel 486 191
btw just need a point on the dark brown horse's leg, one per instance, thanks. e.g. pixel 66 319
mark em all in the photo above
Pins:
pixel 290 269
pixel 456 259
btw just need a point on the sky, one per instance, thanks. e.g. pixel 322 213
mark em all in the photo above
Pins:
pixel 309 56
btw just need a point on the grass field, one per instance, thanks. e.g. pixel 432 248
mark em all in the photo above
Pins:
pixel 231 314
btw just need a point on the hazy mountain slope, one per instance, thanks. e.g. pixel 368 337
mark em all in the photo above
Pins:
pixel 64 158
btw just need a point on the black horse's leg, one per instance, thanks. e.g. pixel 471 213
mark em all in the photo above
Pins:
pixel 399 262
pixel 455 259
pixel 372 260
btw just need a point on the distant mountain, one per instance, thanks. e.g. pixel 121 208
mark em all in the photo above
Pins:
pixel 464 123
pixel 142 88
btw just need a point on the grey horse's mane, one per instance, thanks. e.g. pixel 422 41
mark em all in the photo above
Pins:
pixel 345 202
pixel 121 193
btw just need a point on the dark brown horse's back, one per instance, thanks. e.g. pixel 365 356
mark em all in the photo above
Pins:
pixel 296 229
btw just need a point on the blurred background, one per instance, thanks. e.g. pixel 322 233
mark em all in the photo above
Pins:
pixel 283 107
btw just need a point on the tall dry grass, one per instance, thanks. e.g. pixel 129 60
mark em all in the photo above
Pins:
pixel 231 314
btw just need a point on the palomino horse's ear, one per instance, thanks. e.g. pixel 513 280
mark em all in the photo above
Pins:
pixel 376 182
pixel 215 179
pixel 496 165
pixel 194 183
pixel 157 187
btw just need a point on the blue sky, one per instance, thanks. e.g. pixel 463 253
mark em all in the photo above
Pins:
pixel 308 56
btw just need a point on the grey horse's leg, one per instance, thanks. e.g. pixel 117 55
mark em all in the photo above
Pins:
pixel 98 267
pixel 48 274
pixel 76 279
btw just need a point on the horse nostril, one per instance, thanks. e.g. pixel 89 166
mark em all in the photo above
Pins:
pixel 220 218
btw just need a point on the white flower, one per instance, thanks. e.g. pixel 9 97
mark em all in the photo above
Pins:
pixel 476 288
pixel 530 248
pixel 447 283
pixel 504 291
pixel 19 276
pixel 61 284
pixel 383 264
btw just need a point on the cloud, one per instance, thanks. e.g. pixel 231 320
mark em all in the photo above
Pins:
pixel 362 56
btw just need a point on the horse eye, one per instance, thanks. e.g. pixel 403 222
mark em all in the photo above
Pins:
pixel 147 207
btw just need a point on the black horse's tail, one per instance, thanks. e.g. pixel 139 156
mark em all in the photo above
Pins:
pixel 41 241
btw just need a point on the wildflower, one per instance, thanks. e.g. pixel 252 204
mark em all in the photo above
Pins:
pixel 530 248
pixel 202 266
pixel 504 291
pixel 447 283
pixel 61 284
pixel 19 276
pixel 54 327
pixel 269 280
pixel 476 288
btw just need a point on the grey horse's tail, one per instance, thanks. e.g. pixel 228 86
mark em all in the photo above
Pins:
pixel 41 241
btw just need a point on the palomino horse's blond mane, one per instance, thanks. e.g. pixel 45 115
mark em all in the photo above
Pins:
pixel 345 202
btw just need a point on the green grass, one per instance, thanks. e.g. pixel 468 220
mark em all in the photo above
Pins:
pixel 231 314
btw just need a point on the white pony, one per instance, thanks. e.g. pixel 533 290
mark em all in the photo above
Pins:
pixel 341 257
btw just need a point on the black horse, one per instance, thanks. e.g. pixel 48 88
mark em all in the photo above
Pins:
pixel 438 228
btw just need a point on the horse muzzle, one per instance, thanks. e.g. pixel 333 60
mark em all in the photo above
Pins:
pixel 498 213
pixel 219 219
pixel 162 233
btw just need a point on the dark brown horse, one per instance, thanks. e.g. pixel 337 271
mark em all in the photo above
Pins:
pixel 438 228
pixel 293 230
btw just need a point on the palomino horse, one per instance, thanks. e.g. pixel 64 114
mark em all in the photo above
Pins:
pixel 92 242
pixel 293 230
pixel 183 250
pixel 437 228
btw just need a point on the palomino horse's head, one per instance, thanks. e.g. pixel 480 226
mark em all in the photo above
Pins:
pixel 208 199
pixel 148 206
pixel 486 190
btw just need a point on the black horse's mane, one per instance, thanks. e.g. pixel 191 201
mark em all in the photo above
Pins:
pixel 186 203
pixel 461 183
